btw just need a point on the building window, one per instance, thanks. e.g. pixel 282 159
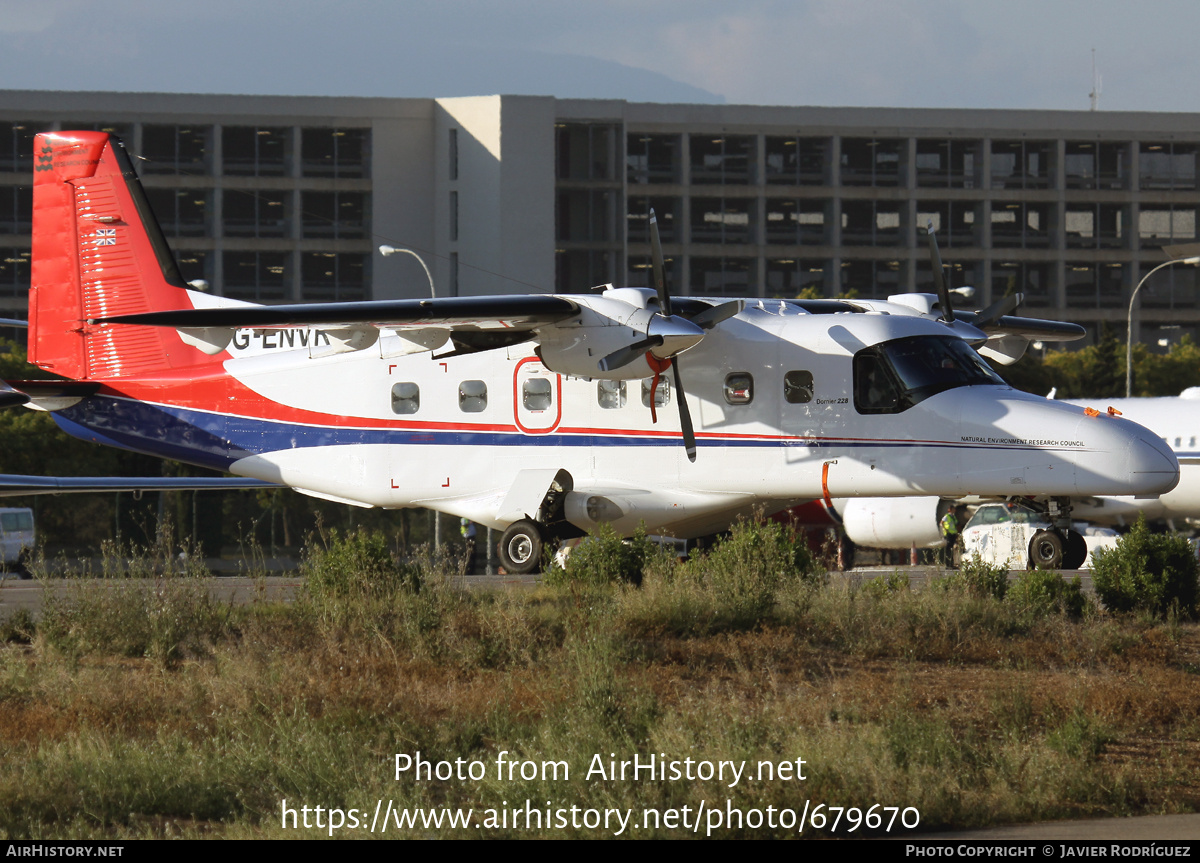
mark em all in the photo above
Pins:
pixel 1171 287
pixel 794 161
pixel 586 215
pixel 176 149
pixel 340 153
pixel 193 265
pixel 637 218
pixel 872 161
pixel 586 151
pixel 739 388
pixel 1021 225
pixel 332 276
pixel 406 398
pixel 1164 224
pixel 724 277
pixel 257 276
pixel 1095 226
pixel 796 222
pixel 1095 165
pixel 453 155
pixel 181 212
pixel 640 271
pixel 472 397
pixel 610 395
pixel 123 131
pixel 1030 279
pixel 870 279
pixel 798 387
pixel 652 158
pixel 454 217
pixel 723 160
pixel 14 272
pixel 792 277
pixel 1021 164
pixel 948 164
pixel 578 270
pixel 1167 166
pixel 246 213
pixel 16 146
pixel 334 215
pixel 454 274
pixel 956 223
pixel 723 220
pixel 871 223
pixel 255 151
pixel 16 209
pixel 1092 284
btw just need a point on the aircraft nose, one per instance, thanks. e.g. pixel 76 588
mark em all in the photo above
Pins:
pixel 1152 466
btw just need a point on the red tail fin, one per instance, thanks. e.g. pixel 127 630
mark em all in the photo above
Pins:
pixel 97 250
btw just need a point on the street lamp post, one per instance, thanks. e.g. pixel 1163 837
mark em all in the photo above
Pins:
pixel 388 251
pixel 1129 319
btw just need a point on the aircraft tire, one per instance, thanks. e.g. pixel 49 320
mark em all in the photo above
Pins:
pixel 521 547
pixel 1046 549
pixel 1074 550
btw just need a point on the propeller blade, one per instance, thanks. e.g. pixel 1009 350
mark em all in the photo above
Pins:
pixel 939 276
pixel 993 313
pixel 624 356
pixel 713 315
pixel 685 415
pixel 656 259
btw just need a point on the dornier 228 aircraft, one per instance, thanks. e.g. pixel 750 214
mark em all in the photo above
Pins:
pixel 543 415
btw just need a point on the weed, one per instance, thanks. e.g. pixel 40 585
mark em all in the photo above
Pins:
pixel 977 578
pixel 1039 592
pixel 1147 572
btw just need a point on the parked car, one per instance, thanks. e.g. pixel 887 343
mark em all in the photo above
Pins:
pixel 16 539
pixel 1017 536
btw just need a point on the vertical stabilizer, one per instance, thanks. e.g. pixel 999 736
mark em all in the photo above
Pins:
pixel 98 251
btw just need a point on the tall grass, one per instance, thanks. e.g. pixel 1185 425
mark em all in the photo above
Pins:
pixel 971 708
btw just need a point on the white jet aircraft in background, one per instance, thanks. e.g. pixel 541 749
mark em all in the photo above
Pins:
pixel 545 415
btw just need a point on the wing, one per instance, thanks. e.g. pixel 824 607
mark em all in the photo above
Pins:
pixel 16 485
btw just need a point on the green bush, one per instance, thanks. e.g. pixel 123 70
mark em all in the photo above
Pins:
pixel 357 566
pixel 1148 572
pixel 605 558
pixel 746 570
pixel 1041 592
pixel 978 578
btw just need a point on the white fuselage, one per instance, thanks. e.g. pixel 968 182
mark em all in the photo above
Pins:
pixel 380 427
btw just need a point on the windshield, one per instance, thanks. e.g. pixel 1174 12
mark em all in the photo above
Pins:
pixel 893 376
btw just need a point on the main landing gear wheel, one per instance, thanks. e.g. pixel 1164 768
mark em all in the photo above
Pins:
pixel 1046 549
pixel 521 547
pixel 1075 550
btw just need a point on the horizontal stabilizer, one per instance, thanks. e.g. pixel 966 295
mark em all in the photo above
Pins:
pixel 16 485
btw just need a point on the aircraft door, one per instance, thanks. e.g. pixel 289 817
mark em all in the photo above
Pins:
pixel 537 397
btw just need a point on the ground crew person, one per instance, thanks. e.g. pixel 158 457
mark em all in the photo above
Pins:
pixel 466 527
pixel 949 525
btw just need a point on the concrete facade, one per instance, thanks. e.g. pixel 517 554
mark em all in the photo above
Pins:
pixel 287 198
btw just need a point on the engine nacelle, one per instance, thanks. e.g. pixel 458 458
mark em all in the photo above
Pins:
pixel 893 522
pixel 605 325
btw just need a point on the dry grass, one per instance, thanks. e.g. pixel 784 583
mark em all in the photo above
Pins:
pixel 961 705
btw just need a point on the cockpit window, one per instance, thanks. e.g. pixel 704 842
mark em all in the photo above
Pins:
pixel 893 376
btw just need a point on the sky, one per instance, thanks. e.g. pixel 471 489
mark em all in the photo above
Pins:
pixel 879 53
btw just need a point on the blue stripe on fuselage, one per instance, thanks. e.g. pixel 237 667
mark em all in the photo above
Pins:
pixel 217 440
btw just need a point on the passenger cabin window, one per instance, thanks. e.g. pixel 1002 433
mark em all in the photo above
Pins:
pixel 739 388
pixel 537 394
pixel 798 387
pixel 662 395
pixel 406 398
pixel 1177 443
pixel 472 396
pixel 610 394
